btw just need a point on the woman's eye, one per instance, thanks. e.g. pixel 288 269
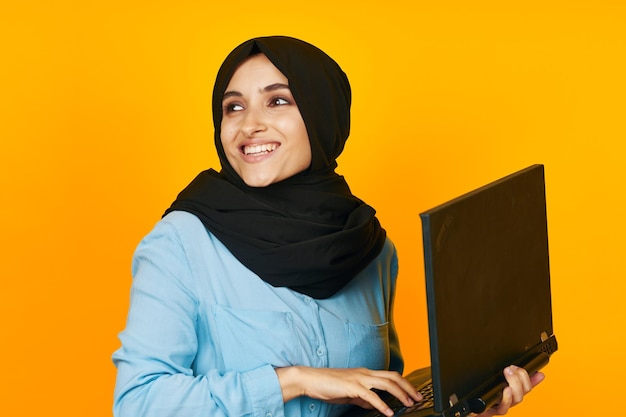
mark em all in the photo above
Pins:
pixel 279 101
pixel 233 107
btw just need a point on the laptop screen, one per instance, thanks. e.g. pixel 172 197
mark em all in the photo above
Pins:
pixel 487 281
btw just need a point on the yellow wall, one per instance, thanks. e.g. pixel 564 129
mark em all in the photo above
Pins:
pixel 105 115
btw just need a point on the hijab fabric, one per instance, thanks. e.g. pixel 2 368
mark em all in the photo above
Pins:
pixel 307 232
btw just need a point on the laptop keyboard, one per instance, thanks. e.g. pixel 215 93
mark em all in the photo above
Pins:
pixel 400 409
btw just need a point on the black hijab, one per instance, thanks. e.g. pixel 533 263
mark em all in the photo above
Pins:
pixel 308 232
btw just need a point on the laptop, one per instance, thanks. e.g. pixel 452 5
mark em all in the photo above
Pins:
pixel 488 296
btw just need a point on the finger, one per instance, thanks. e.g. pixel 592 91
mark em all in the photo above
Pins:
pixel 524 378
pixel 410 389
pixel 505 403
pixel 376 402
pixel 404 391
pixel 400 388
pixel 536 378
pixel 518 381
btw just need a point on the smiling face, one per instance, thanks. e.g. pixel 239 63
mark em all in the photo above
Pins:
pixel 262 131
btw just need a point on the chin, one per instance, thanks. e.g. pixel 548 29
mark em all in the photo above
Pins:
pixel 258 182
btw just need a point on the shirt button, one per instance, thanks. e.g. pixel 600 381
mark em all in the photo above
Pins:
pixel 320 351
pixel 312 407
pixel 307 299
pixel 268 415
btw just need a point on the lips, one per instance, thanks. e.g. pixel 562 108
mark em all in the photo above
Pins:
pixel 259 149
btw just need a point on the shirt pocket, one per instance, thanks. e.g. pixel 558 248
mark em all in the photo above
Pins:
pixel 369 345
pixel 252 338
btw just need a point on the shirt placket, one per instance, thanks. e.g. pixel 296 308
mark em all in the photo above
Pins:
pixel 320 359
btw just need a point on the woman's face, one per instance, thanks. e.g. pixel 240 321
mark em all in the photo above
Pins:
pixel 262 131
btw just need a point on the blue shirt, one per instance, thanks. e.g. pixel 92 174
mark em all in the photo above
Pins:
pixel 204 333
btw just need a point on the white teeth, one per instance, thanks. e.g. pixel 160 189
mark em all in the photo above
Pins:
pixel 258 149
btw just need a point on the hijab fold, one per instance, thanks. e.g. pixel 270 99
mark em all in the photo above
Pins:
pixel 308 232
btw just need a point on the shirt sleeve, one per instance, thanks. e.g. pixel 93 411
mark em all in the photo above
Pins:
pixel 155 376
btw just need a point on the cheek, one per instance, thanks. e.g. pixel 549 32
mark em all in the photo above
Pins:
pixel 223 132
pixel 227 133
pixel 301 156
pixel 304 145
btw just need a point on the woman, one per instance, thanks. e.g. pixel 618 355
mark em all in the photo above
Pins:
pixel 267 288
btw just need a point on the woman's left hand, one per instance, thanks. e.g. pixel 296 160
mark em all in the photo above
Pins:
pixel 520 384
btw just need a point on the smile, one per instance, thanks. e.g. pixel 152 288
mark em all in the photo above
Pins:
pixel 259 149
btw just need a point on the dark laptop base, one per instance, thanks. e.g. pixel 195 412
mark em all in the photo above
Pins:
pixel 485 397
pixel 490 393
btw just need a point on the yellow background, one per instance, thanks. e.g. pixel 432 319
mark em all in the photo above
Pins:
pixel 105 116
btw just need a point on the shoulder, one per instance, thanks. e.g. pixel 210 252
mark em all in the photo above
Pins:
pixel 176 237
pixel 389 248
pixel 178 227
pixel 382 272
pixel 181 221
pixel 388 256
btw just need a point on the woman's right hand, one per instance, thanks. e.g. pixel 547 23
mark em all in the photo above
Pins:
pixel 346 386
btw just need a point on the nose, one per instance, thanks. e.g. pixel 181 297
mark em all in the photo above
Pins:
pixel 253 122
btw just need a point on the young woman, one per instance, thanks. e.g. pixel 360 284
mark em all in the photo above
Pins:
pixel 267 288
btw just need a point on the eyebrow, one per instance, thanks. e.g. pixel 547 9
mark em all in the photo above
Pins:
pixel 271 87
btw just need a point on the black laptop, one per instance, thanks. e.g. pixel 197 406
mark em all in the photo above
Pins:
pixel 488 295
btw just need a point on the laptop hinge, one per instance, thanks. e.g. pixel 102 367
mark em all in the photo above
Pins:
pixel 457 409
